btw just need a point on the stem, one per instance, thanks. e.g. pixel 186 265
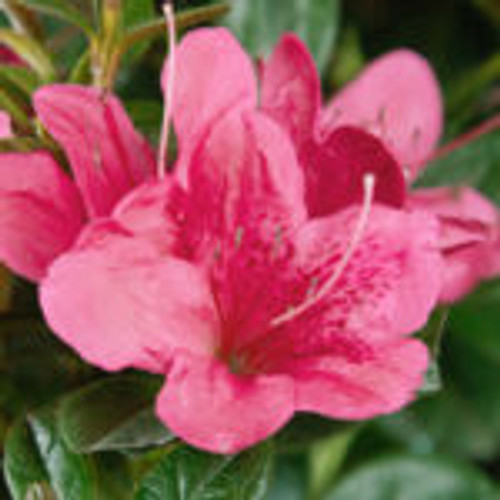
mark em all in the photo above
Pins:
pixel 485 128
pixel 185 20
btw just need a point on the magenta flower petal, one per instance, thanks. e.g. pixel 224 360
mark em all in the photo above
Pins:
pixel 245 177
pixel 108 157
pixel 393 280
pixel 209 407
pixel 41 212
pixel 5 125
pixel 335 168
pixel 469 239
pixel 398 99
pixel 213 76
pixel 120 302
pixel 291 90
pixel 153 211
pixel 381 383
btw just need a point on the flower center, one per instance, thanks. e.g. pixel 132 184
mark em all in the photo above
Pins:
pixel 168 10
pixel 357 236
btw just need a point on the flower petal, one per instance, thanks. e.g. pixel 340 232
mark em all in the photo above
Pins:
pixel 121 303
pixel 291 90
pixel 392 282
pixel 469 235
pixel 339 388
pixel 107 155
pixel 387 290
pixel 5 126
pixel 335 169
pixel 214 57
pixel 41 212
pixel 398 99
pixel 236 183
pixel 153 211
pixel 211 408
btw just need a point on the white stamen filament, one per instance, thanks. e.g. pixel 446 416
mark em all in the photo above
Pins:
pixel 368 195
pixel 168 10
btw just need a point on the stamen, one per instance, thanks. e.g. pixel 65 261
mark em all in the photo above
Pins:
pixel 168 10
pixel 368 191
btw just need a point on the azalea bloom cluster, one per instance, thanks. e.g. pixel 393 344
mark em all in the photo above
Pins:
pixel 283 264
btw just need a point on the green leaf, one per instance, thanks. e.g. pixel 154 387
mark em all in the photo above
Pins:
pixel 259 24
pixel 289 481
pixel 63 9
pixel 194 475
pixel 112 414
pixel 22 466
pixel 305 430
pixel 475 164
pixel 70 474
pixel 38 462
pixel 35 455
pixel 414 478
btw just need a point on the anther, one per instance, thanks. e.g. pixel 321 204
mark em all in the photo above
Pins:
pixel 168 11
pixel 357 236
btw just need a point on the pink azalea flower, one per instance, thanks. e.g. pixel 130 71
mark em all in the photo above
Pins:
pixel 397 100
pixel 42 209
pixel 225 279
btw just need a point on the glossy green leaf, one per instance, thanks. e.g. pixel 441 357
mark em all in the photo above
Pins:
pixel 111 414
pixel 259 24
pixel 70 474
pixel 23 469
pixel 63 9
pixel 475 164
pixel 38 463
pixel 194 475
pixel 414 478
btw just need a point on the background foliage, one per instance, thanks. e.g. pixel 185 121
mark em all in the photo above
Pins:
pixel 69 432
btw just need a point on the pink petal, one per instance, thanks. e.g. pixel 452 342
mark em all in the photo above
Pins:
pixel 291 90
pixel 153 211
pixel 469 228
pixel 108 157
pixel 236 183
pixel 338 388
pixel 121 303
pixel 211 408
pixel 41 212
pixel 456 201
pixel 393 279
pixel 213 76
pixel 5 126
pixel 388 289
pixel 398 99
pixel 335 169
